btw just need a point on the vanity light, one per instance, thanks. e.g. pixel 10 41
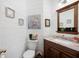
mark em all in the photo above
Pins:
pixel 63 1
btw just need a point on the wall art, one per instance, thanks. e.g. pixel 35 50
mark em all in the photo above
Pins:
pixel 10 13
pixel 47 22
pixel 34 22
pixel 21 21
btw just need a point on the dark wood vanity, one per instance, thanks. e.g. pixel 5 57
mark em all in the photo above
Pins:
pixel 54 50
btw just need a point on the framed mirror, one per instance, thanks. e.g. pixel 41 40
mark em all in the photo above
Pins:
pixel 67 19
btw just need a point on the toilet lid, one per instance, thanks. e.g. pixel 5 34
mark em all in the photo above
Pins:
pixel 29 54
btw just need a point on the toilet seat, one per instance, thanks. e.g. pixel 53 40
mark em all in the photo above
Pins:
pixel 29 54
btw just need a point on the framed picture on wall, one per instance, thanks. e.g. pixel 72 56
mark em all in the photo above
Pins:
pixel 21 21
pixel 34 21
pixel 10 13
pixel 47 22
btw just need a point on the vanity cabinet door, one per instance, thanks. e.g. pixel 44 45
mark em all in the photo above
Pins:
pixel 46 52
pixel 49 51
pixel 53 53
pixel 53 50
pixel 46 49
pixel 63 55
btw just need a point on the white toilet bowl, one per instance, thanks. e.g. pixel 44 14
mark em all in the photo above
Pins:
pixel 29 54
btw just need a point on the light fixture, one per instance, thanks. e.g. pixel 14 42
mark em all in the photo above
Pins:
pixel 63 1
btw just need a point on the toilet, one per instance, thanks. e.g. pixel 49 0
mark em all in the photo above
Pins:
pixel 30 52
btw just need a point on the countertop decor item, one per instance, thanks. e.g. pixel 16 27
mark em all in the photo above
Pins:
pixel 75 39
pixel 33 36
pixel 62 29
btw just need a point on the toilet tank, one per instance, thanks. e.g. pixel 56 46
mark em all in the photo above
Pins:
pixel 32 44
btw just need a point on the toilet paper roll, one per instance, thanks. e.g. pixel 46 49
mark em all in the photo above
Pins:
pixel 3 55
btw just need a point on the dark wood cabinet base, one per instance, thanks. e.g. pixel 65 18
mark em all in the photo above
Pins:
pixel 53 50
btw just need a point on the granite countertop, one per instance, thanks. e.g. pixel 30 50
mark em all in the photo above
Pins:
pixel 63 42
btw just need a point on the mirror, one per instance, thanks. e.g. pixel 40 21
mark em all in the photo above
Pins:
pixel 68 19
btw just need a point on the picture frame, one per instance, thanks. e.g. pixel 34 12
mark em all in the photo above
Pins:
pixel 34 21
pixel 10 13
pixel 21 21
pixel 47 22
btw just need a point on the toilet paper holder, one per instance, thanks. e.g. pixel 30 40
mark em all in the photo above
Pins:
pixel 2 51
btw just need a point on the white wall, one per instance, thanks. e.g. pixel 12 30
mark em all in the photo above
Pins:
pixel 13 36
pixel 49 12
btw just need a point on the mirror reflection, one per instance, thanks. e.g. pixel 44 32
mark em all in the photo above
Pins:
pixel 67 19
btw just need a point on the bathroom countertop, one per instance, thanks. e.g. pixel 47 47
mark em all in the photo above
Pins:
pixel 63 42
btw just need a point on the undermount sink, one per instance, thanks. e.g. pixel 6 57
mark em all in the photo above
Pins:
pixel 60 40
